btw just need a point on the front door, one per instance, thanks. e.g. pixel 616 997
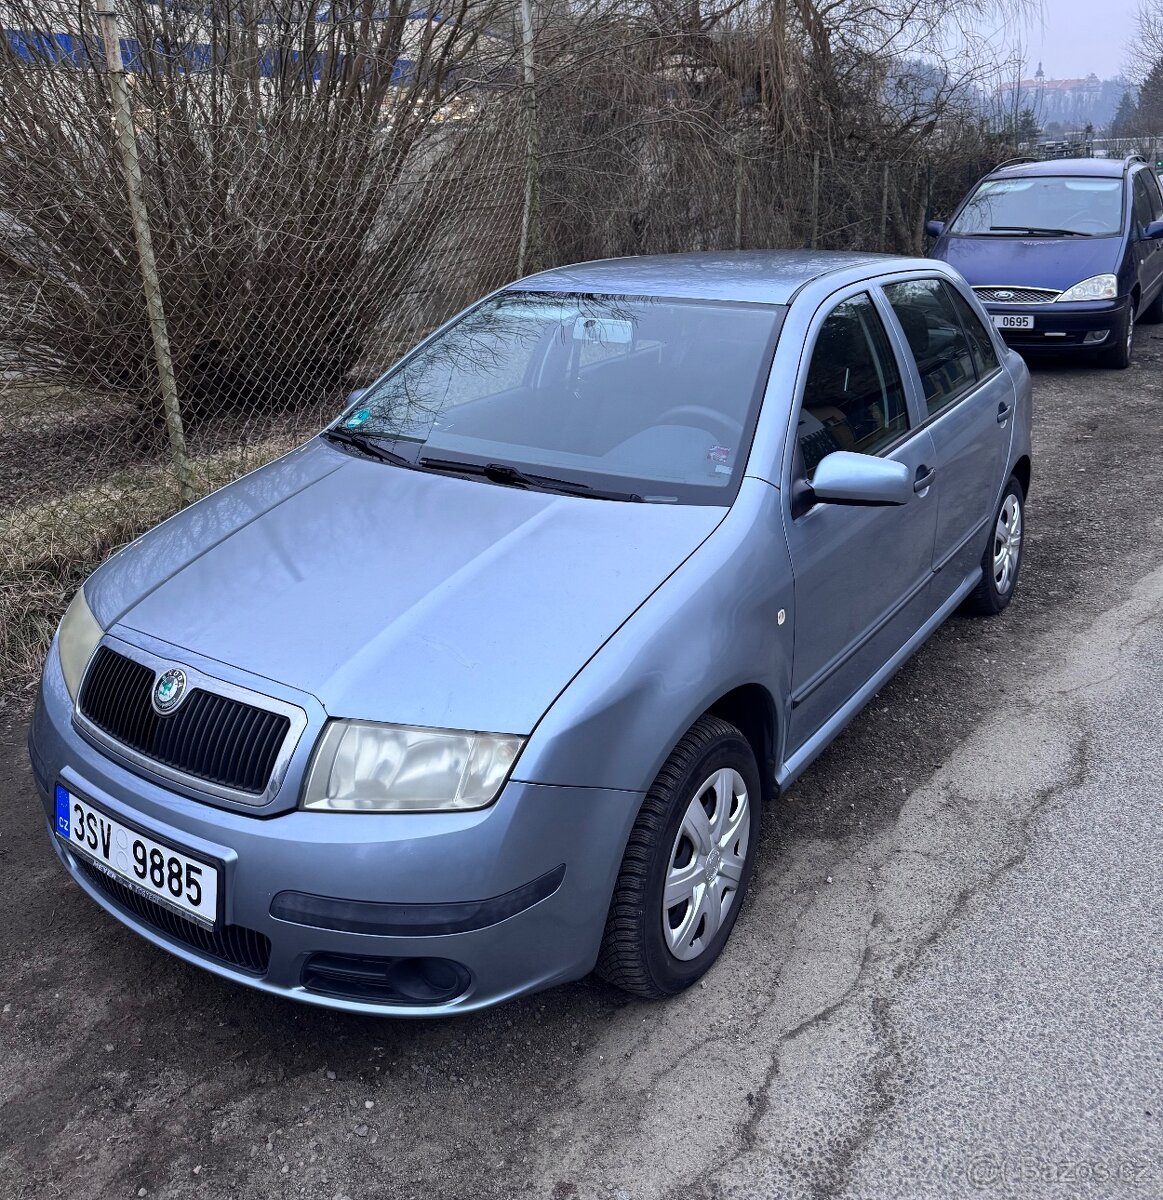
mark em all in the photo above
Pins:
pixel 1146 206
pixel 861 573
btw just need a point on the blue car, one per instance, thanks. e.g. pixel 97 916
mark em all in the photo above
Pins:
pixel 486 685
pixel 1066 255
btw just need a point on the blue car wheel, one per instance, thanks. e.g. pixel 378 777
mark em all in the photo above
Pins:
pixel 1118 356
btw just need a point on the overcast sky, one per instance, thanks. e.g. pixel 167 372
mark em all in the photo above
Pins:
pixel 1075 37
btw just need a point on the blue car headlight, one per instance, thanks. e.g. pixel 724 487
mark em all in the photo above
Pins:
pixel 1097 287
pixel 77 638
pixel 361 766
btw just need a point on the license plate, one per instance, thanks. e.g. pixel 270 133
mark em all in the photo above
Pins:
pixel 1013 321
pixel 186 885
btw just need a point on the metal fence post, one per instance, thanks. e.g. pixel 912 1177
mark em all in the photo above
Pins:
pixel 815 200
pixel 928 213
pixel 528 250
pixel 131 167
pixel 739 191
pixel 884 210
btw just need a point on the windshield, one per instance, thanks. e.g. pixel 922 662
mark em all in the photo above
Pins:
pixel 639 397
pixel 1056 205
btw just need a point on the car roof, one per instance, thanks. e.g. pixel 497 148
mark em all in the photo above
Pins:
pixel 1106 168
pixel 763 276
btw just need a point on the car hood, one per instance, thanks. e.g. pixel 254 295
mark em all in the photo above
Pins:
pixel 395 595
pixel 1057 263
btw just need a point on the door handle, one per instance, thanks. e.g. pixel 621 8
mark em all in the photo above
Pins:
pixel 925 477
pixel 1003 412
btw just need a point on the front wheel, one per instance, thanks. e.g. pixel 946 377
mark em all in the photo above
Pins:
pixel 1153 313
pixel 1118 355
pixel 686 866
pixel 1003 555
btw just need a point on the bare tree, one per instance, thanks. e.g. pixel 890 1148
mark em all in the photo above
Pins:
pixel 673 125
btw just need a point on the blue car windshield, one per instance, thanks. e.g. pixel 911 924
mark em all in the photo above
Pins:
pixel 1052 205
pixel 651 398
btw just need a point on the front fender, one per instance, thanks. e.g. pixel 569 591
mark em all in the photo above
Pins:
pixel 711 628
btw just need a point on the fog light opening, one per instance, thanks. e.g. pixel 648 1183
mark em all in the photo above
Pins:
pixel 422 981
pixel 1095 337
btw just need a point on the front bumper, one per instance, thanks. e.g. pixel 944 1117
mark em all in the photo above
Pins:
pixel 537 867
pixel 1085 326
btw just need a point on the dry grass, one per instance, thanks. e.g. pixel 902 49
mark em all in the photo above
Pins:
pixel 48 549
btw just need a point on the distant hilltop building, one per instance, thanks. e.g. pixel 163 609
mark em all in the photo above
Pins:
pixel 1070 102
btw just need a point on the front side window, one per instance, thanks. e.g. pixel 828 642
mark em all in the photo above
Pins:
pixel 647 396
pixel 853 396
pixel 1047 205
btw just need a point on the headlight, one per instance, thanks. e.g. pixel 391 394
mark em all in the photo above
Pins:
pixel 364 767
pixel 1098 287
pixel 77 638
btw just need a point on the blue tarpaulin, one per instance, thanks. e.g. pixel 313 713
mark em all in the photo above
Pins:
pixel 66 49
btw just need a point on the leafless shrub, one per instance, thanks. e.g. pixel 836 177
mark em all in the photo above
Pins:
pixel 295 169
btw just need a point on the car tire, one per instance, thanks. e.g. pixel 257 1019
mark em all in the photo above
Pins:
pixel 1002 559
pixel 1153 313
pixel 1118 356
pixel 652 950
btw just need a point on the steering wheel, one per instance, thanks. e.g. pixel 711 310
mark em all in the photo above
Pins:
pixel 1081 220
pixel 727 430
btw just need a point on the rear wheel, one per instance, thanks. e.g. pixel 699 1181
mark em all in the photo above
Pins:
pixel 687 865
pixel 1003 555
pixel 1118 355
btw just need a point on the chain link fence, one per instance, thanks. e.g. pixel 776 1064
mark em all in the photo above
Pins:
pixel 319 195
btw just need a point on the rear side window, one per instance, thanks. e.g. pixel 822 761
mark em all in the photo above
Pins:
pixel 935 337
pixel 1151 181
pixel 853 398
pixel 980 343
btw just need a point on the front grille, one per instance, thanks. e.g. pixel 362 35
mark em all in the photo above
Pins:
pixel 1016 295
pixel 210 737
pixel 234 944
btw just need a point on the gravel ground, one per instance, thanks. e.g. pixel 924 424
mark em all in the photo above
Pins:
pixel 947 981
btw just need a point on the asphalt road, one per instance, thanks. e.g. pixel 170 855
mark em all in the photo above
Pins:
pixel 948 980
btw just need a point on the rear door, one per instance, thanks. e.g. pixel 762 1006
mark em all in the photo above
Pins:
pixel 861 573
pixel 969 404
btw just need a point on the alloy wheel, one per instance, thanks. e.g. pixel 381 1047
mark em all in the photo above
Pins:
pixel 1007 544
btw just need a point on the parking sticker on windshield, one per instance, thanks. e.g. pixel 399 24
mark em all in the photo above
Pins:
pixel 357 418
pixel 606 331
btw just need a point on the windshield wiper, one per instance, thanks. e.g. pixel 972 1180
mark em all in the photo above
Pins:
pixel 503 473
pixel 1038 231
pixel 367 444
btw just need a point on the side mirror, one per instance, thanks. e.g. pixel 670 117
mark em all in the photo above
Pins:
pixel 843 477
pixel 1154 231
pixel 356 395
pixel 934 228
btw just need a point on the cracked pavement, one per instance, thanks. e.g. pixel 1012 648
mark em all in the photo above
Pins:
pixel 947 980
